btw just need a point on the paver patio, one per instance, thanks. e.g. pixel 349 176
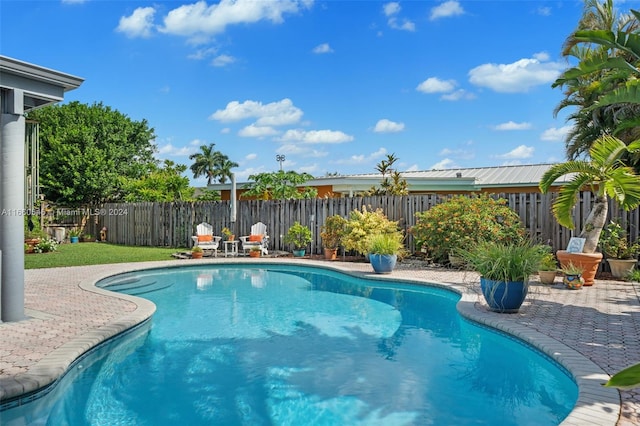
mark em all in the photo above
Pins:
pixel 594 332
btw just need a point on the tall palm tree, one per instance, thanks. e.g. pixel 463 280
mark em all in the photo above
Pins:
pixel 204 162
pixel 604 45
pixel 223 168
pixel 212 164
pixel 607 176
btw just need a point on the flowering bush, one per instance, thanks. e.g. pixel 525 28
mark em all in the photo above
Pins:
pixel 462 221
pixel 46 245
pixel 615 244
pixel 362 224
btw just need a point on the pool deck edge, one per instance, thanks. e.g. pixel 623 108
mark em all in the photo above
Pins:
pixel 596 405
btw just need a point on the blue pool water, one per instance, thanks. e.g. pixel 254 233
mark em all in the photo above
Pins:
pixel 245 345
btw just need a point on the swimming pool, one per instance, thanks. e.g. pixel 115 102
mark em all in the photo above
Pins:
pixel 287 345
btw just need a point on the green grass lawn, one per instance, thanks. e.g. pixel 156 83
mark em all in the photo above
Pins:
pixel 95 254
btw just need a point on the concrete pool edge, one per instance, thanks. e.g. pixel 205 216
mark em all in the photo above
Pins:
pixel 596 404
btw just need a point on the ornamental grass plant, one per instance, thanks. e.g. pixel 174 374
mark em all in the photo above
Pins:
pixel 463 221
pixel 504 261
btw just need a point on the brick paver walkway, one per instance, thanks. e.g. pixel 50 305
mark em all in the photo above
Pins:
pixel 593 332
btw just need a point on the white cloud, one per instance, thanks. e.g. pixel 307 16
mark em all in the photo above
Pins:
pixel 225 130
pixel 200 18
pixel 445 163
pixel 323 48
pixel 359 159
pixel 518 153
pixel 458 95
pixel 273 114
pixel 464 154
pixel 301 150
pixel 412 168
pixel 544 11
pixel 316 136
pixel 391 10
pixel 139 24
pixel 251 156
pixel 511 125
pixel 519 76
pixel 445 10
pixel 203 53
pixel 253 131
pixel 388 126
pixel 435 85
pixel 223 61
pixel 554 134
pixel 175 151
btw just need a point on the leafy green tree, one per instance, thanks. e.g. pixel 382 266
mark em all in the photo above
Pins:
pixel 85 150
pixel 211 163
pixel 166 183
pixel 607 176
pixel 208 195
pixel 279 185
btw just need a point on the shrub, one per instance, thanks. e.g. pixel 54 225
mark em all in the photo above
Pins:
pixel 332 231
pixel 298 235
pixel 364 223
pixel 463 221
pixel 45 246
pixel 504 261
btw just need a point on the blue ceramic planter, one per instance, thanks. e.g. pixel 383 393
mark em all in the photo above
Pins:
pixel 74 240
pixel 383 263
pixel 299 253
pixel 506 297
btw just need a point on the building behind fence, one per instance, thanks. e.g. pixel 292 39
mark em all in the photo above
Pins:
pixel 173 224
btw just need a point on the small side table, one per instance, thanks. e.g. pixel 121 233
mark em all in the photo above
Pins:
pixel 230 248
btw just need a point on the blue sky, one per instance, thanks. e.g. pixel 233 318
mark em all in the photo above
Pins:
pixel 334 86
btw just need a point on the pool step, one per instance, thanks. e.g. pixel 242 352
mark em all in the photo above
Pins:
pixel 136 286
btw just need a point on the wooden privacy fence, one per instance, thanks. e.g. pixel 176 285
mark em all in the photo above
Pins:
pixel 173 224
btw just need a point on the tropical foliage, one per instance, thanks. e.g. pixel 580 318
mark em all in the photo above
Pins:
pixel 212 164
pixel 332 231
pixel 364 223
pixel 615 243
pixel 463 221
pixel 280 185
pixel 606 175
pixel 392 181
pixel 86 150
pixel 604 87
pixel 298 235
pixel 389 244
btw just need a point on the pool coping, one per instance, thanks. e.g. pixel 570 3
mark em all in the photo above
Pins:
pixel 596 404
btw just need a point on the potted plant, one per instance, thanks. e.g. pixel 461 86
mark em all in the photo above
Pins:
pixel 573 276
pixel 228 235
pixel 504 269
pixel 299 236
pixel 255 251
pixel 87 238
pixel 548 269
pixel 32 238
pixel 74 236
pixel 331 233
pixel 607 177
pixel 384 250
pixel 620 252
pixel 197 252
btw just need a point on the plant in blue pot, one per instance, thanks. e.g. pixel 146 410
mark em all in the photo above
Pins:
pixel 74 236
pixel 299 236
pixel 384 250
pixel 504 270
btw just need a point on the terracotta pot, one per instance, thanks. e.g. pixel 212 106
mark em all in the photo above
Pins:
pixel 254 253
pixel 330 254
pixel 587 261
pixel 620 268
pixel 196 254
pixel 547 277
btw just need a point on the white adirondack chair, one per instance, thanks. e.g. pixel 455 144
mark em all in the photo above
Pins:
pixel 205 239
pixel 257 238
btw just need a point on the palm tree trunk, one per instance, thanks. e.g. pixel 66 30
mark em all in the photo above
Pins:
pixel 594 224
